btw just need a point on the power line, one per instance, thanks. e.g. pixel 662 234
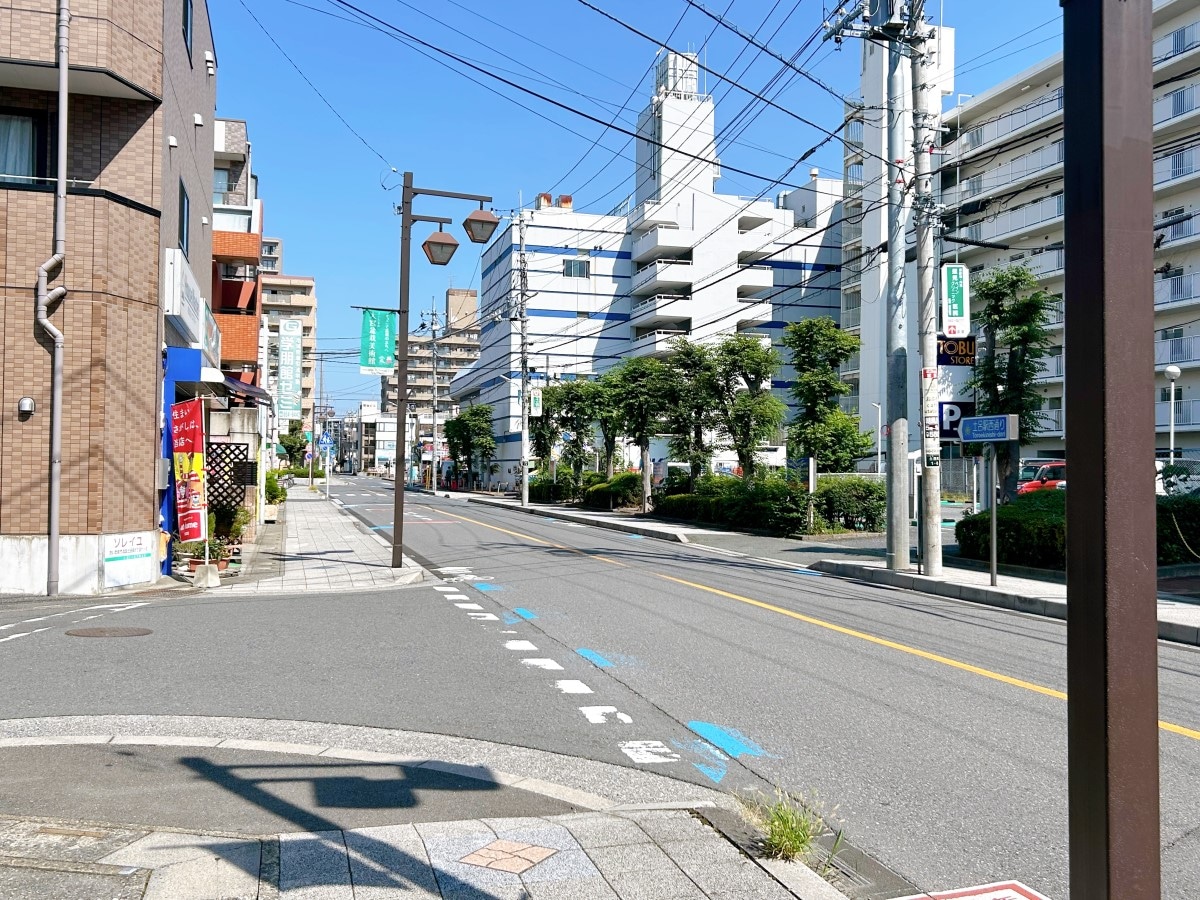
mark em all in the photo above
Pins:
pixel 717 75
pixel 525 90
pixel 308 81
pixel 750 39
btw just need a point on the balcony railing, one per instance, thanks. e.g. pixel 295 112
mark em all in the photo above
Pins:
pixel 849 404
pixel 852 317
pixel 1177 350
pixel 1179 164
pixel 851 232
pixel 1178 42
pixel 1046 105
pixel 1175 104
pixel 1016 219
pixel 1052 367
pixel 1054 312
pixel 854 132
pixel 850 366
pixel 1179 231
pixel 1051 420
pixel 1176 289
pixel 1187 412
pixel 1013 170
pixel 661 268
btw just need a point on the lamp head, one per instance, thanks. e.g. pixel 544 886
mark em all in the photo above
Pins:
pixel 480 226
pixel 439 247
pixel 1172 373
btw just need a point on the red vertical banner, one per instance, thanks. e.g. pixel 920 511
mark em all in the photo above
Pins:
pixel 187 445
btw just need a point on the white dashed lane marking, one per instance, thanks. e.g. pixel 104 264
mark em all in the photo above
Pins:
pixel 572 687
pixel 547 664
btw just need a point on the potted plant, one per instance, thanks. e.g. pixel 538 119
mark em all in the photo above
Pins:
pixel 275 495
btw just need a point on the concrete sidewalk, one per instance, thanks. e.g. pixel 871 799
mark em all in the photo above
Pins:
pixel 1178 613
pixel 318 547
pixel 371 818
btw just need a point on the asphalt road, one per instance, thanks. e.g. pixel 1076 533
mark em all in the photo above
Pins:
pixel 937 729
pixel 933 730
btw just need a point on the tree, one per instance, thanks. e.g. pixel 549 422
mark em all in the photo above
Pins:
pixel 544 429
pixel 692 414
pixel 821 428
pixel 608 417
pixel 1013 321
pixel 294 442
pixel 469 437
pixel 642 387
pixel 575 417
pixel 747 412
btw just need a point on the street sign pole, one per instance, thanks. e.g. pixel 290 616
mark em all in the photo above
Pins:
pixel 994 484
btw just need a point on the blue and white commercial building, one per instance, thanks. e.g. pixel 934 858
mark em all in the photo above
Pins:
pixel 684 261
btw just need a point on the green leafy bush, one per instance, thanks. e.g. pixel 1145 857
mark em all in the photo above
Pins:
pixel 771 504
pixel 302 471
pixel 1178 529
pixel 543 490
pixel 624 490
pixel 1030 531
pixel 275 492
pixel 858 504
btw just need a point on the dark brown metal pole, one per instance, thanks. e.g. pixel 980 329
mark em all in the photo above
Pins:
pixel 406 223
pixel 1112 714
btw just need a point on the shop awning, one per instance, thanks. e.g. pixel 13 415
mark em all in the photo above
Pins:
pixel 242 389
pixel 280 450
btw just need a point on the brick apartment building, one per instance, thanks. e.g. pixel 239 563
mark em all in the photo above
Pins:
pixel 139 154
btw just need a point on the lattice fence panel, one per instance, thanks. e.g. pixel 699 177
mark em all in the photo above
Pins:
pixel 230 470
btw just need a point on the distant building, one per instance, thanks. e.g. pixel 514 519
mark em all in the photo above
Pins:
pixel 685 262
pixel 291 297
pixel 433 362
pixel 272 255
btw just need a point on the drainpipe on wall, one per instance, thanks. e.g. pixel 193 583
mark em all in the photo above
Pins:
pixel 47 270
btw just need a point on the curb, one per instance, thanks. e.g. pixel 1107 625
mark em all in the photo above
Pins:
pixel 627 527
pixel 986 596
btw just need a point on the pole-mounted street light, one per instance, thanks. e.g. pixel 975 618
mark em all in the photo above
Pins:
pixel 1172 373
pixel 439 247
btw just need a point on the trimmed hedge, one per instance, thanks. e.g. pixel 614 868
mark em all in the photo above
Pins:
pixel 624 490
pixel 857 504
pixel 1030 531
pixel 1179 529
pixel 770 504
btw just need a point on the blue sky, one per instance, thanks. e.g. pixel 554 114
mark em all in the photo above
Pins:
pixel 324 181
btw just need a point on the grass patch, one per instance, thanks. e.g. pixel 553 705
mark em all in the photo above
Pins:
pixel 790 826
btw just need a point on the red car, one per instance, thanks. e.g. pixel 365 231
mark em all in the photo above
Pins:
pixel 1047 476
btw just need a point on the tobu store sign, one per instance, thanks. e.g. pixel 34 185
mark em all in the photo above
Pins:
pixel 956 351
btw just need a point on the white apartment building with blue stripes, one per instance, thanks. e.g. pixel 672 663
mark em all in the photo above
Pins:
pixel 685 261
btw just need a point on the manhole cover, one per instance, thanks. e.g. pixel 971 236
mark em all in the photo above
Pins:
pixel 109 632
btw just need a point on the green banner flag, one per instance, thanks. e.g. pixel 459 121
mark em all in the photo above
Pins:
pixel 377 353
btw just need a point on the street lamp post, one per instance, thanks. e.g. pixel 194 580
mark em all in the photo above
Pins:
pixel 1172 373
pixel 439 248
pixel 878 437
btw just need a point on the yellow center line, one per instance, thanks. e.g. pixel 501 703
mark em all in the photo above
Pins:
pixel 913 651
pixel 529 537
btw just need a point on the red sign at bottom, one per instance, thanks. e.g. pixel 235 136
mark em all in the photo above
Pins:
pixel 1001 890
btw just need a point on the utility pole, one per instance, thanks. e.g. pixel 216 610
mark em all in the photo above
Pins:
pixel 882 21
pixel 523 315
pixel 925 213
pixel 324 422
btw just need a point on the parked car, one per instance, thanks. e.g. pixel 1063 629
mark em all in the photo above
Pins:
pixel 1030 467
pixel 1048 476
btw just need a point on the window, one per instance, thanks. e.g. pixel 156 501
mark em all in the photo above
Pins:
pixel 1164 394
pixel 220 187
pixel 185 212
pixel 187 26
pixel 577 268
pixel 19 155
